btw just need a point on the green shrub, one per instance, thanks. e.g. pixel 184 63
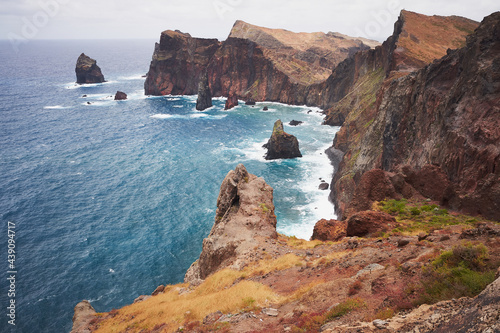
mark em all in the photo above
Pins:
pixel 415 211
pixel 456 273
pixel 393 206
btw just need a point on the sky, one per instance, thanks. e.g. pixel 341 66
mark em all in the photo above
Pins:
pixel 24 20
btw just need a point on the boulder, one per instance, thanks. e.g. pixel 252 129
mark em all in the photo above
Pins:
pixel 87 70
pixel 83 315
pixel 281 144
pixel 231 102
pixel 369 222
pixel 265 108
pixel 120 95
pixel 295 122
pixel 158 290
pixel 323 186
pixel 329 230
pixel 244 217
pixel 204 100
pixel 250 101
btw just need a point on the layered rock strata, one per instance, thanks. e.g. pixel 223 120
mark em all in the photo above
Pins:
pixel 87 70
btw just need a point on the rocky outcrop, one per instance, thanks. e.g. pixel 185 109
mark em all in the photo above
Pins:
pixel 369 223
pixel 281 144
pixel 329 230
pixel 87 70
pixel 84 313
pixel 204 100
pixel 120 96
pixel 177 64
pixel 231 102
pixel 244 217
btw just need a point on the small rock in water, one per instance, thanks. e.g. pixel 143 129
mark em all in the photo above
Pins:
pixel 295 122
pixel 120 95
pixel 265 108
pixel 324 186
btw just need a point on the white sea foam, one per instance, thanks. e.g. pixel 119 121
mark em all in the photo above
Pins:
pixel 74 85
pixel 56 107
pixel 133 77
pixel 187 116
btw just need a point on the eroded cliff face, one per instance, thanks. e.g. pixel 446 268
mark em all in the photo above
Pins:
pixel 178 61
pixel 435 129
pixel 254 63
pixel 389 115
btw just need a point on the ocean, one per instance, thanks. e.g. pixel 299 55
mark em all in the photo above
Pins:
pixel 109 199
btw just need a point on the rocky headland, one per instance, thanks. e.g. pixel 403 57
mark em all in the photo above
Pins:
pixel 253 63
pixel 416 187
pixel 87 70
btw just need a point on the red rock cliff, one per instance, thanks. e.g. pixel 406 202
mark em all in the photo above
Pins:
pixel 436 129
pixel 254 63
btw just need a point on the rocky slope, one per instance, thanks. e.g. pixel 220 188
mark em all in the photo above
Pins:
pixel 250 279
pixel 87 70
pixel 254 63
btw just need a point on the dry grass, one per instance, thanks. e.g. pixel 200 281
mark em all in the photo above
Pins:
pixel 226 290
pixel 301 244
pixel 172 310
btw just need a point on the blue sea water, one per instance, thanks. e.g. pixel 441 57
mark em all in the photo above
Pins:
pixel 113 198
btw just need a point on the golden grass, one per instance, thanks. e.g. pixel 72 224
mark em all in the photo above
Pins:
pixel 302 244
pixel 225 290
pixel 172 310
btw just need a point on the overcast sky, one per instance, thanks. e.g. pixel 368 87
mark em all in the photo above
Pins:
pixel 99 19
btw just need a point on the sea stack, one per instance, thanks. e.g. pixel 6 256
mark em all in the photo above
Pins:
pixel 231 102
pixel 87 70
pixel 204 100
pixel 281 144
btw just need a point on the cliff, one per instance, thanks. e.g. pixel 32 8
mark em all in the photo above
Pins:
pixel 254 63
pixel 178 61
pixel 365 139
